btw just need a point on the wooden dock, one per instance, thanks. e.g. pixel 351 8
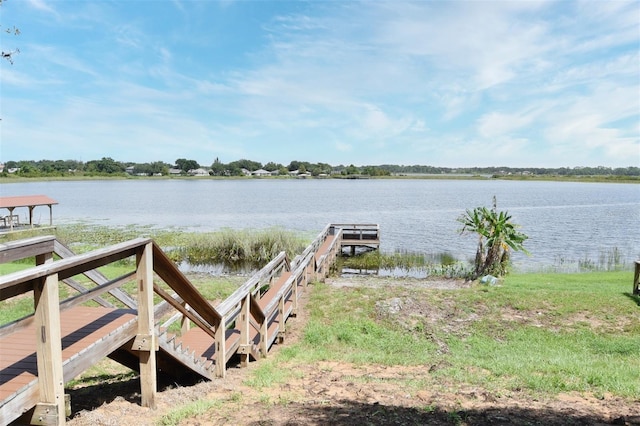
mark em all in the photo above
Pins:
pixel 182 335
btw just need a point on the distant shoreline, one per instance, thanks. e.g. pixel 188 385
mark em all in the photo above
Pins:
pixel 452 176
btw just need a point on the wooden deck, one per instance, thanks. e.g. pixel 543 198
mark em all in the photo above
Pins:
pixel 246 324
pixel 83 329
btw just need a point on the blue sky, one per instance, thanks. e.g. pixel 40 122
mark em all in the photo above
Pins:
pixel 443 83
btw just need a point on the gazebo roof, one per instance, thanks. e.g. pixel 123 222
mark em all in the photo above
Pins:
pixel 26 201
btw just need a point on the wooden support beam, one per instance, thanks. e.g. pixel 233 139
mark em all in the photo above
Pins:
pixel 185 322
pixel 181 307
pixel 244 324
pixel 221 349
pixel 636 278
pixel 51 404
pixel 147 340
pixel 281 318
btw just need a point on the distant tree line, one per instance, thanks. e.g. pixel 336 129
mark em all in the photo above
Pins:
pixel 560 171
pixel 110 167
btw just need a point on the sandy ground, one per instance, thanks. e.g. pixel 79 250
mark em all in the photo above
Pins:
pixel 334 393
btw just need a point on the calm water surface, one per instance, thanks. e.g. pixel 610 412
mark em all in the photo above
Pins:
pixel 566 222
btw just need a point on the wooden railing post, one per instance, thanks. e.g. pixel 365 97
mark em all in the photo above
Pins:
pixel 146 342
pixel 244 324
pixel 264 342
pixel 221 349
pixel 185 323
pixel 294 292
pixel 636 278
pixel 282 320
pixel 50 410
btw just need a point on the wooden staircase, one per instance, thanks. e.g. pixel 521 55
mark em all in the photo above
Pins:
pixel 35 362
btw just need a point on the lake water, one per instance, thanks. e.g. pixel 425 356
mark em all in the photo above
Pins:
pixel 566 222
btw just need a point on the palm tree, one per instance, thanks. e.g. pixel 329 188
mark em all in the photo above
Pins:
pixel 497 235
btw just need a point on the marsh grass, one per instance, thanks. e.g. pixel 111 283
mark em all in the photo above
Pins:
pixel 236 248
pixel 407 263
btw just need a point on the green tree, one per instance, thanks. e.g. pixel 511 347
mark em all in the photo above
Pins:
pixel 271 166
pixel 250 165
pixel 497 235
pixel 106 165
pixel 351 170
pixel 186 165
pixel 218 168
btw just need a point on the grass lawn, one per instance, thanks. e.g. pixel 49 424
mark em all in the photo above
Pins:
pixel 543 333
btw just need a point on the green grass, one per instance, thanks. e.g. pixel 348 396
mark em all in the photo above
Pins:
pixel 539 333
pixel 192 409
pixel 268 373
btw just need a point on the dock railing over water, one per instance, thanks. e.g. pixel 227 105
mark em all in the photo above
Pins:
pixel 246 324
pixel 365 236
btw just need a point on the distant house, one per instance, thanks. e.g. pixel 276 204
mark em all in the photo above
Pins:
pixel 245 172
pixel 198 172
pixel 260 173
pixel 129 169
pixel 174 172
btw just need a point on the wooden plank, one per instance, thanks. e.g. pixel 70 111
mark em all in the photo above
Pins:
pixel 92 354
pixel 29 247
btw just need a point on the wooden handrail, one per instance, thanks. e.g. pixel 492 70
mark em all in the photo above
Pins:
pixel 180 308
pixel 251 285
pixel 170 274
pixel 22 281
pixel 94 275
pixel 29 247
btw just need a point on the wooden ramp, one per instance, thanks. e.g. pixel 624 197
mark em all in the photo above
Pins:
pixel 182 335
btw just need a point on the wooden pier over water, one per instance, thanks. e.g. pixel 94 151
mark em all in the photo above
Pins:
pixel 182 335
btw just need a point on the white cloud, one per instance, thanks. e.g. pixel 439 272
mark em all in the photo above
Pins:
pixel 42 6
pixel 496 124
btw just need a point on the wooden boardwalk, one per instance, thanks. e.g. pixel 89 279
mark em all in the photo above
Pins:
pixel 34 363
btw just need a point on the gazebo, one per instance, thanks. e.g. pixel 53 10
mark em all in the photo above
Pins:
pixel 30 201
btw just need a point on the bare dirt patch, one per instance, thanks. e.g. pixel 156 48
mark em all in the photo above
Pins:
pixel 337 393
